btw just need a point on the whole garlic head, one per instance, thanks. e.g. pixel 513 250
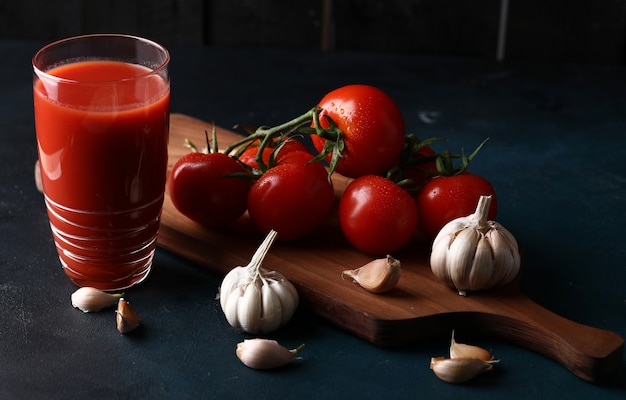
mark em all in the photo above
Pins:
pixel 256 300
pixel 471 253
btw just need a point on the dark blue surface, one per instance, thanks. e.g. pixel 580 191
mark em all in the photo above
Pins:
pixel 555 157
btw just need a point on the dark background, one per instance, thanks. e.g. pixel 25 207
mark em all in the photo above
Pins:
pixel 574 31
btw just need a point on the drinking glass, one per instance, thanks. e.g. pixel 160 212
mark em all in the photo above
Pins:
pixel 102 121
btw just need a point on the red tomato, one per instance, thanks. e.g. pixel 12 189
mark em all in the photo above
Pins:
pixel 200 190
pixel 372 126
pixel 248 156
pixel 292 198
pixel 445 198
pixel 376 215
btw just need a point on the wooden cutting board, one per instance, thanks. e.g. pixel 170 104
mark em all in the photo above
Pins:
pixel 418 308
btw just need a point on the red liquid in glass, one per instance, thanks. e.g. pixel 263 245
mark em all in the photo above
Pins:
pixel 103 158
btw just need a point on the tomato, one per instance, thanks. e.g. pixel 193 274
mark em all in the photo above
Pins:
pixel 376 215
pixel 292 198
pixel 200 189
pixel 290 146
pixel 445 198
pixel 248 156
pixel 372 127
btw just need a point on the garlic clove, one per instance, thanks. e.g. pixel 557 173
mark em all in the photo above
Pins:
pixel 90 299
pixel 231 306
pixel 377 276
pixel 459 258
pixel 272 310
pixel 265 353
pixel 249 309
pixel 459 370
pixel 505 254
pixel 482 267
pixel 461 350
pixel 235 277
pixel 127 319
pixel 286 294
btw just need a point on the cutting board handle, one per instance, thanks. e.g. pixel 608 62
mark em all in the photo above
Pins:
pixel 589 353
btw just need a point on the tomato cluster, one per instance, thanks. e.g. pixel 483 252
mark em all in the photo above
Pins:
pixel 398 184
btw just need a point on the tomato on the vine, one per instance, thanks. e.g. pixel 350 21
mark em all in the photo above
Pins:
pixel 376 215
pixel 445 198
pixel 286 150
pixel 372 129
pixel 202 189
pixel 248 156
pixel 292 198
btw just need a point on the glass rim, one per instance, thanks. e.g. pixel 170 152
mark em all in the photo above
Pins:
pixel 153 71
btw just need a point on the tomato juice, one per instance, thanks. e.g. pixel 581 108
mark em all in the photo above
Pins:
pixel 102 132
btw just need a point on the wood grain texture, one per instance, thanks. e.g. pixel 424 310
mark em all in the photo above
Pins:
pixel 420 307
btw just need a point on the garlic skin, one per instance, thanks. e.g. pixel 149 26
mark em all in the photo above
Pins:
pixel 471 253
pixel 127 319
pixel 461 350
pixel 89 299
pixel 377 276
pixel 459 370
pixel 265 353
pixel 256 300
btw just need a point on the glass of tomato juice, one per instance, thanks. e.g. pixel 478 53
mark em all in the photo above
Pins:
pixel 102 120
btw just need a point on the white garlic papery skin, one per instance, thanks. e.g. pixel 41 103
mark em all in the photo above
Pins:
pixel 90 299
pixel 256 300
pixel 265 353
pixel 471 253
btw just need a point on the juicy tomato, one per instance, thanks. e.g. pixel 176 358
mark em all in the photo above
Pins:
pixel 376 215
pixel 292 198
pixel 201 190
pixel 372 127
pixel 249 155
pixel 445 198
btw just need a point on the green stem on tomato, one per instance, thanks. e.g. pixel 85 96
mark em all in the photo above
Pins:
pixel 445 166
pixel 266 134
pixel 302 124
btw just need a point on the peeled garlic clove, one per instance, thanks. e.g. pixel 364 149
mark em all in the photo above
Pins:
pixel 377 276
pixel 265 353
pixel 459 370
pixel 461 350
pixel 90 299
pixel 127 319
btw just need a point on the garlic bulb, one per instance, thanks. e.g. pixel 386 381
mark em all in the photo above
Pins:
pixel 377 276
pixel 256 300
pixel 459 370
pixel 90 299
pixel 265 353
pixel 471 253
